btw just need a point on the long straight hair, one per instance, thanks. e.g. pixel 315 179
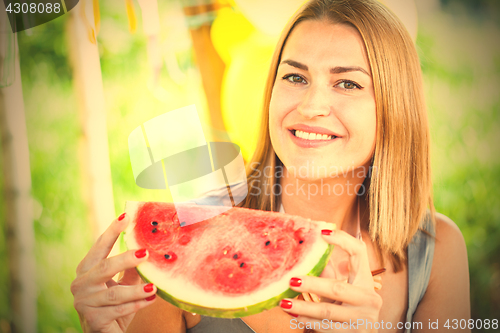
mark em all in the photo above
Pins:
pixel 400 191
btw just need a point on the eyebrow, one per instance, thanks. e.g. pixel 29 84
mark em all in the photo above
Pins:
pixel 333 70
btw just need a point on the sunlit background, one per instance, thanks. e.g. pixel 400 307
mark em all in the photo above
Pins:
pixel 147 71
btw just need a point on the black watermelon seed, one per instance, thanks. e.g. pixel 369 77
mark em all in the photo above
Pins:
pixel 170 256
pixel 242 264
pixel 235 256
pixel 154 230
pixel 301 241
pixel 183 224
pixel 154 223
pixel 268 242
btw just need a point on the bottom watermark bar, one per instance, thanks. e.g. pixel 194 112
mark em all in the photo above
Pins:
pixel 450 324
pixel 354 325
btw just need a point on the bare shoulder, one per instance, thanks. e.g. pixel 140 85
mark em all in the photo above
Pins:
pixel 447 295
pixel 447 230
pixel 450 251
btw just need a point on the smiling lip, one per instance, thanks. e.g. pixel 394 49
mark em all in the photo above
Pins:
pixel 312 129
pixel 303 143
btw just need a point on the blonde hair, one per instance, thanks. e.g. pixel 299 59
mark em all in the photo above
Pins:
pixel 401 189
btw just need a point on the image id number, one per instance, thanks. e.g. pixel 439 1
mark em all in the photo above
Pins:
pixel 33 8
pixel 487 324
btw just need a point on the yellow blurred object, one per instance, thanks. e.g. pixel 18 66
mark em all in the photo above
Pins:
pixel 245 41
pixel 269 17
pixel 97 16
pixel 246 52
pixel 229 29
pixel 90 30
pixel 242 91
pixel 132 20
pixel 230 3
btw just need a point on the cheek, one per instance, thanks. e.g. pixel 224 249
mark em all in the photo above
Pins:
pixel 277 112
pixel 369 125
pixel 272 119
pixel 362 126
pixel 369 131
pixel 372 127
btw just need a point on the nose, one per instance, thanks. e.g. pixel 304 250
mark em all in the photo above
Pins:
pixel 315 102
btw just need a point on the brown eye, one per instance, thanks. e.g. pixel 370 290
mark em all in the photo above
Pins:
pixel 294 78
pixel 348 85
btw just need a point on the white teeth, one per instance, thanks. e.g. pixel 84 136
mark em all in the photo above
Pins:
pixel 312 136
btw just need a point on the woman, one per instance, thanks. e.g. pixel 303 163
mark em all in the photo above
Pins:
pixel 346 138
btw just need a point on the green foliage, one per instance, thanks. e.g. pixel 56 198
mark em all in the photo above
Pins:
pixel 478 7
pixel 460 62
pixel 46 44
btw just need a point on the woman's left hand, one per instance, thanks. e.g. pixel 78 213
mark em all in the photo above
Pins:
pixel 356 302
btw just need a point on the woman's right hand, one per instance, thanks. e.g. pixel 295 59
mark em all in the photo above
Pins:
pixel 103 304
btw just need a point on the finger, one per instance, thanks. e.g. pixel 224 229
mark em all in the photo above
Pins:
pixel 318 310
pixel 111 283
pixel 330 288
pixel 102 247
pixel 359 273
pixel 109 267
pixel 377 282
pixel 130 277
pixel 120 295
pixel 102 316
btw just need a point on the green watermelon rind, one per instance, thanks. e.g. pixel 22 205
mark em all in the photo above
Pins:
pixel 237 312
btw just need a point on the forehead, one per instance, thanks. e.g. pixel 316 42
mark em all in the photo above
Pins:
pixel 321 42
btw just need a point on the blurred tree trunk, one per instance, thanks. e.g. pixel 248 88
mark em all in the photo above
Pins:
pixel 84 56
pixel 17 191
pixel 209 62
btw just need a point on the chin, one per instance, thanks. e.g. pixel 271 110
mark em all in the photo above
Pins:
pixel 310 171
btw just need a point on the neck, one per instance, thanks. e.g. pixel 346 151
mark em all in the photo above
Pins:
pixel 332 200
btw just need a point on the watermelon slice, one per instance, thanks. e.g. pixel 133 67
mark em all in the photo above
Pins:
pixel 235 264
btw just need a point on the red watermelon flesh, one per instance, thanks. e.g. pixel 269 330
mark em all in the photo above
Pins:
pixel 227 263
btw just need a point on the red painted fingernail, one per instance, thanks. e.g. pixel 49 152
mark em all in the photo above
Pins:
pixel 150 298
pixel 140 253
pixel 148 288
pixel 121 217
pixel 326 232
pixel 286 304
pixel 295 282
pixel 293 314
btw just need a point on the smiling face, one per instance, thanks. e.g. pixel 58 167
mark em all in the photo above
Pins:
pixel 322 113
